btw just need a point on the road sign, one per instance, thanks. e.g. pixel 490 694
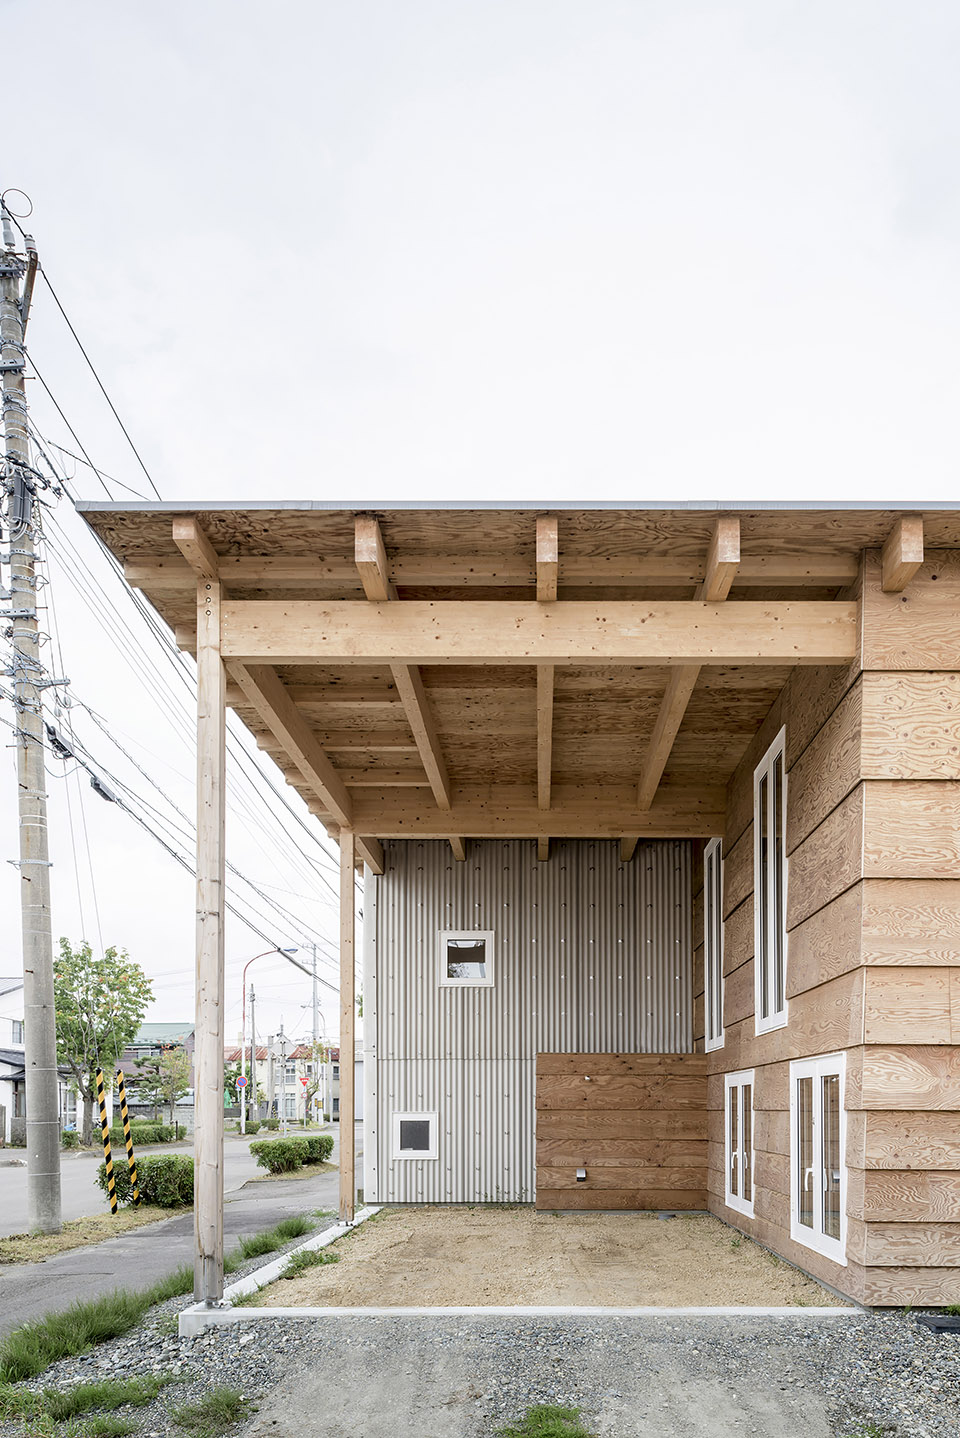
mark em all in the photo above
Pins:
pixel 304 1082
pixel 241 1081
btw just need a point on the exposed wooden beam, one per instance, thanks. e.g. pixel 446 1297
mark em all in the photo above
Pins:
pixel 384 778
pixel 545 673
pixel 511 811
pixel 723 558
pixel 459 848
pixel 628 848
pixel 548 558
pixel 902 553
pixel 543 849
pixel 171 573
pixel 353 696
pixel 190 539
pixel 371 560
pixel 370 850
pixel 522 632
pixel 263 689
pixel 348 741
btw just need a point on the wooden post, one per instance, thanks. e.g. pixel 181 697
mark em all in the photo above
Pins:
pixel 348 856
pixel 208 1055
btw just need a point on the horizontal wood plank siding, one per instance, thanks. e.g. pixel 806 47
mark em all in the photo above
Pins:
pixel 636 1122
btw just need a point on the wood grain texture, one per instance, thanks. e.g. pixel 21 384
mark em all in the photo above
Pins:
pixel 902 553
pixel 911 726
pixel 896 1287
pixel 911 921
pixel 921 1077
pixel 635 1122
pixel 916 630
pixel 907 1006
pixel 826 771
pixel 915 1197
pixel 738 871
pixel 828 861
pixel 911 830
pixel 827 944
pixel 909 1245
pixel 904 1141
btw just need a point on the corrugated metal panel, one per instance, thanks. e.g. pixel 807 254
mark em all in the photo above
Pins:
pixel 591 955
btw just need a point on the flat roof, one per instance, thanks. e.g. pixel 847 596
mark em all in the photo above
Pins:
pixel 664 506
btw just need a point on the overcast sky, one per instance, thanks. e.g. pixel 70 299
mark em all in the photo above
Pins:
pixel 554 250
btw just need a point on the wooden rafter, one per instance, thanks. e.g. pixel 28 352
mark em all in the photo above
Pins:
pixel 545 678
pixel 902 553
pixel 543 848
pixel 628 848
pixel 548 558
pixel 569 632
pixel 459 848
pixel 371 561
pixel 723 558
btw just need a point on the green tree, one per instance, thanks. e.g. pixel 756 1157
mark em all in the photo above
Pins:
pixel 173 1079
pixel 100 1004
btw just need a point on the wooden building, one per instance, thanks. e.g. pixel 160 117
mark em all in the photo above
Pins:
pixel 757 706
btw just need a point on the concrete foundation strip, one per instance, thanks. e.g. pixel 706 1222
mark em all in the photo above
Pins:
pixel 197 1317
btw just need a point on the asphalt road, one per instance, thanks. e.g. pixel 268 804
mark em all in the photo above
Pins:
pixel 139 1258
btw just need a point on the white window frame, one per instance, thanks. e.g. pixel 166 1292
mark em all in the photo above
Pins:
pixel 414 1153
pixel 815 1238
pixel 443 938
pixel 738 1082
pixel 713 1034
pixel 770 928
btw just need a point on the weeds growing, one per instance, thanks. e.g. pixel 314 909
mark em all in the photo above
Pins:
pixel 546 1420
pixel 213 1414
pixel 308 1258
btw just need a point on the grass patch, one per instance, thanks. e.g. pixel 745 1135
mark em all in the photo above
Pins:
pixel 546 1420
pixel 79 1233
pixel 215 1412
pixel 308 1258
pixel 27 1351
pixel 260 1244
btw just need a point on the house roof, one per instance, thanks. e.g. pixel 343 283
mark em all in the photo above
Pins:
pixel 162 1034
pixel 10 986
pixel 572 670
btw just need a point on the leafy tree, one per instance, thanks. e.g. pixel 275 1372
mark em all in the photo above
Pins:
pixel 100 1004
pixel 173 1077
pixel 147 1082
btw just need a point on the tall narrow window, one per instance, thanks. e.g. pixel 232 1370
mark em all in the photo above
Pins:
pixel 738 1090
pixel 770 888
pixel 818 1175
pixel 713 945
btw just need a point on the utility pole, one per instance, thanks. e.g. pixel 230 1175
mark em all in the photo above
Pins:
pixel 40 1030
pixel 316 1003
pixel 283 1080
pixel 253 1056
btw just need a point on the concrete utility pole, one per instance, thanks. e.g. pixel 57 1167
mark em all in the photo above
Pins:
pixel 40 1030
pixel 253 1055
pixel 283 1080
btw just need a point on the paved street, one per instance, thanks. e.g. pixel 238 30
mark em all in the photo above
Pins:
pixel 141 1257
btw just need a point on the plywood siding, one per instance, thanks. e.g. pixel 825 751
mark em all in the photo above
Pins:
pixel 873 918
pixel 636 1122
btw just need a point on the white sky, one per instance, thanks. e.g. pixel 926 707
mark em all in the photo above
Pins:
pixel 549 250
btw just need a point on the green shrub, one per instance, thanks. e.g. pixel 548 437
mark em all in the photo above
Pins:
pixel 142 1132
pixel 272 1124
pixel 281 1155
pixel 319 1147
pixel 164 1179
pixel 69 1138
pixel 253 1125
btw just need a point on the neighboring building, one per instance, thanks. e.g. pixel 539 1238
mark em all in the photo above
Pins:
pixel 660 816
pixel 12 1074
pixel 300 1084
pixel 152 1041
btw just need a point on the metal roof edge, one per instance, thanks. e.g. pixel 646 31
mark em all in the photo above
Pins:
pixel 175 506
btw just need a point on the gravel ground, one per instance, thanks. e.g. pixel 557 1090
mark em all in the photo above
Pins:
pixel 884 1370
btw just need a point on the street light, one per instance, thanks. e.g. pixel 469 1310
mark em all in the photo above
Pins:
pixel 253 1037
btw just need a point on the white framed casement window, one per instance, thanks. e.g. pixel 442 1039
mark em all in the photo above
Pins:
pixel 713 945
pixel 414 1135
pixel 770 888
pixel 818 1171
pixel 465 958
pixel 738 1140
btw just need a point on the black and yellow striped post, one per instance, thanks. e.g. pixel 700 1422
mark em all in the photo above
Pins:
pixel 128 1140
pixel 105 1131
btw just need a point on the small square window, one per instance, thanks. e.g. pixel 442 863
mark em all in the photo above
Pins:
pixel 466 958
pixel 414 1135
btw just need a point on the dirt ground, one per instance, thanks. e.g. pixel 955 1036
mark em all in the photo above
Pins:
pixel 495 1256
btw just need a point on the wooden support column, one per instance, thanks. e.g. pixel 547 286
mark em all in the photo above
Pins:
pixel 211 797
pixel 459 849
pixel 548 570
pixel 348 855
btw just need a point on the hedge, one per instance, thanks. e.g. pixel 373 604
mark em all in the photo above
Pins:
pixel 283 1155
pixel 164 1179
pixel 69 1138
pixel 144 1133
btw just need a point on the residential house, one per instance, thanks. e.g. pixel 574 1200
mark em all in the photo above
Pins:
pixel 659 813
pixel 12 1068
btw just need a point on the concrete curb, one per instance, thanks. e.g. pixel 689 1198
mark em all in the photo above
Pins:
pixel 197 1317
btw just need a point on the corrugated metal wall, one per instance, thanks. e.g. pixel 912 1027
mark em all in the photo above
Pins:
pixel 591 955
